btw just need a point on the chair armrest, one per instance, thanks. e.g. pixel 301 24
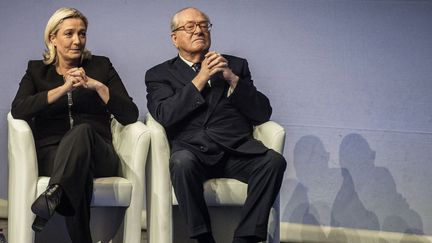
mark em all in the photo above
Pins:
pixel 158 184
pixel 131 143
pixel 271 134
pixel 23 174
pixel 21 147
pixel 158 162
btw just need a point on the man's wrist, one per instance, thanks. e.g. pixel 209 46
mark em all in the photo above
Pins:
pixel 233 81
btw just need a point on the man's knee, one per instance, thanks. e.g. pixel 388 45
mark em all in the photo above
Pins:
pixel 277 162
pixel 183 162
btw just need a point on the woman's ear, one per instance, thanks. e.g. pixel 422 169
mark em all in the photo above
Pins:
pixel 52 39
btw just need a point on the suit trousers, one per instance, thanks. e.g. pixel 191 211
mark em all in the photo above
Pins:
pixel 81 155
pixel 263 174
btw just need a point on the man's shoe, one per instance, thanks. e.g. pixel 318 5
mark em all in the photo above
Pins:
pixel 45 206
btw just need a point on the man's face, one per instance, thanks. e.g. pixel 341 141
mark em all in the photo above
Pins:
pixel 191 43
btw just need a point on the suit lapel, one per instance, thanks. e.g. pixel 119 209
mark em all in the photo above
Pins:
pixel 181 71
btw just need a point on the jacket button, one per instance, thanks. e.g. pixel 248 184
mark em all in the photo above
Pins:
pixel 202 148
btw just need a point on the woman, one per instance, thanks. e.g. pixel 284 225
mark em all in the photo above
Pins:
pixel 68 99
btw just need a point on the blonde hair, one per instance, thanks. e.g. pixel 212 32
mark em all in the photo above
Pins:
pixel 175 18
pixel 50 54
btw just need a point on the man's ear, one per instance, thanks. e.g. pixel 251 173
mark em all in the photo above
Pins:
pixel 174 39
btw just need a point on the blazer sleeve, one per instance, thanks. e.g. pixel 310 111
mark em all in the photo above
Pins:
pixel 246 98
pixel 169 103
pixel 28 101
pixel 120 103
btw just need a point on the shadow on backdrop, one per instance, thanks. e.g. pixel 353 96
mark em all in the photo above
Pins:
pixel 315 188
pixel 368 197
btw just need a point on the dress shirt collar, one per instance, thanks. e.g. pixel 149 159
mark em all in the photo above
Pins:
pixel 186 61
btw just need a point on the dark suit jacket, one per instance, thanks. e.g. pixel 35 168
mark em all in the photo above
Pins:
pixel 51 121
pixel 209 128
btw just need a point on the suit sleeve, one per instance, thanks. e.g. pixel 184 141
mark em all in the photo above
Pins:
pixel 28 101
pixel 168 104
pixel 120 103
pixel 247 99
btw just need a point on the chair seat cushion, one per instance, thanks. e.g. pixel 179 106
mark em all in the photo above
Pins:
pixel 107 191
pixel 222 191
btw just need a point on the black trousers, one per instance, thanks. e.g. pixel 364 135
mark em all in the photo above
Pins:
pixel 81 155
pixel 263 174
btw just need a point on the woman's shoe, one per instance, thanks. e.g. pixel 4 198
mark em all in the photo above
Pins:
pixel 45 205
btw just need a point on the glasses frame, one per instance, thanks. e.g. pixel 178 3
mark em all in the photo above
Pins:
pixel 203 28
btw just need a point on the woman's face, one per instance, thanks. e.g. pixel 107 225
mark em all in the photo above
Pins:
pixel 70 40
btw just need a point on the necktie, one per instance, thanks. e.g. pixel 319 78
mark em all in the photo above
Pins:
pixel 196 67
pixel 205 92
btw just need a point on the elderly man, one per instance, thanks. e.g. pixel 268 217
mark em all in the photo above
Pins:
pixel 208 106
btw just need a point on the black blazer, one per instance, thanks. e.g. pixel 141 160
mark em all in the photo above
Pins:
pixel 51 121
pixel 209 128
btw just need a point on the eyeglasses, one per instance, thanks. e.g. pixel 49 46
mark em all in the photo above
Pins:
pixel 190 27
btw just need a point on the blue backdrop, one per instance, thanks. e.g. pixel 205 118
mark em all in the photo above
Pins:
pixel 351 82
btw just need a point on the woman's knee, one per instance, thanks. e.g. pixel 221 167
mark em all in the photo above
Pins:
pixel 80 138
pixel 83 128
pixel 81 132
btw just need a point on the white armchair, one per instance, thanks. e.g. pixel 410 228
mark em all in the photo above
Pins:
pixel 222 194
pixel 131 143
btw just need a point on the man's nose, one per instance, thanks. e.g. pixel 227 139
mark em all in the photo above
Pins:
pixel 198 28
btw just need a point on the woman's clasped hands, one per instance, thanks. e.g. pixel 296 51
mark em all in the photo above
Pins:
pixel 76 77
